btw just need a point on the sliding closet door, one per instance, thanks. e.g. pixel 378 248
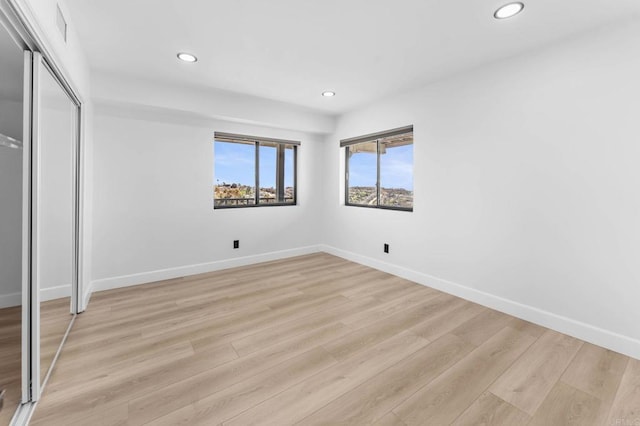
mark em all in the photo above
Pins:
pixel 54 191
pixel 11 220
pixel 27 305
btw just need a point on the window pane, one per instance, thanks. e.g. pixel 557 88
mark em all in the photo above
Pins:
pixel 268 167
pixel 363 165
pixel 241 160
pixel 396 171
pixel 289 174
pixel 234 172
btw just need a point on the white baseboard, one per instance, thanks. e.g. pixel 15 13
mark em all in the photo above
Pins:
pixel 86 297
pixel 10 300
pixel 589 333
pixel 181 271
pixel 598 336
pixel 53 293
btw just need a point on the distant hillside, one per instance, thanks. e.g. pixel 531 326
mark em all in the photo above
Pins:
pixel 393 197
pixel 239 191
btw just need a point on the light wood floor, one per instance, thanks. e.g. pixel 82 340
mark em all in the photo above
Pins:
pixel 54 320
pixel 320 340
pixel 55 317
pixel 10 359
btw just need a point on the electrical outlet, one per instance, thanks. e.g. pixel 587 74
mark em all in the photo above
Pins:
pixel 386 248
pixel 236 244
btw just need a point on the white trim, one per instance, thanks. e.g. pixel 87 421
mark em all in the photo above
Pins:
pixel 10 300
pixel 23 414
pixel 36 245
pixel 15 299
pixel 598 336
pixel 26 228
pixel 10 21
pixel 181 271
pixel 57 292
pixel 81 209
pixel 86 297
pixel 589 333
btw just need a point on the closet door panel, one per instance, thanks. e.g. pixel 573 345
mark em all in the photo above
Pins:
pixel 27 307
pixel 55 135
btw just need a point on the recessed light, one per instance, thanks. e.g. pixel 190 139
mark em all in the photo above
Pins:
pixel 508 10
pixel 328 94
pixel 187 57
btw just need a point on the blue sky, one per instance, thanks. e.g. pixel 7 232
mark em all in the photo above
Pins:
pixel 396 168
pixel 235 163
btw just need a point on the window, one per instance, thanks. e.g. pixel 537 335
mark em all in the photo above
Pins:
pixel 251 171
pixel 379 170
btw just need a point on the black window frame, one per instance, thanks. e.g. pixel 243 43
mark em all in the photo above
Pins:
pixel 373 137
pixel 281 146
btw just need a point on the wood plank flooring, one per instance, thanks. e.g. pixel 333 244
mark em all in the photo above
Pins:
pixel 54 320
pixel 55 316
pixel 320 340
pixel 10 359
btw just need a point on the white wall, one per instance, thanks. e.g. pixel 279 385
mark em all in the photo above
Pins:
pixel 153 201
pixel 123 91
pixel 10 203
pixel 11 118
pixel 10 226
pixel 57 127
pixel 526 187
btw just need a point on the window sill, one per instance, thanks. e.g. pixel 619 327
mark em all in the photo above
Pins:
pixel 401 209
pixel 254 205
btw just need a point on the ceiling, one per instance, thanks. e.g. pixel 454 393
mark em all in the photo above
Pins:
pixel 293 50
